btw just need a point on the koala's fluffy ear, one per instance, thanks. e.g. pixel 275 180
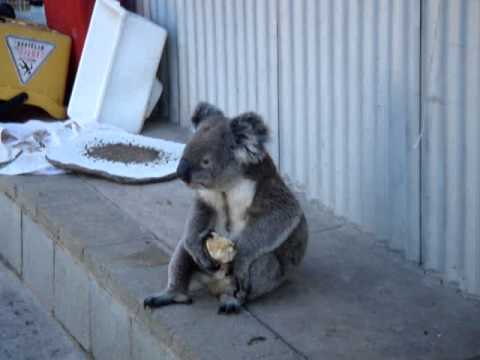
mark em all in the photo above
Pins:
pixel 204 110
pixel 251 134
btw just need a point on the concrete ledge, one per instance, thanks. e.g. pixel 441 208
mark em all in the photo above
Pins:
pixel 92 265
pixel 92 250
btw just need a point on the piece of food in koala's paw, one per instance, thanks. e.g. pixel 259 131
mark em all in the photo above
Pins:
pixel 221 249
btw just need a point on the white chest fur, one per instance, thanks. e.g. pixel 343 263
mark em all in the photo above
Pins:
pixel 231 207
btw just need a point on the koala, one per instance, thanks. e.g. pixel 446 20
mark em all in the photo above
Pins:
pixel 239 195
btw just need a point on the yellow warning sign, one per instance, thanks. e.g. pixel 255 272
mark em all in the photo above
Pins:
pixel 28 55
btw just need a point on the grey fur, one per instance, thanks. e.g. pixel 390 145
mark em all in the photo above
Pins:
pixel 240 195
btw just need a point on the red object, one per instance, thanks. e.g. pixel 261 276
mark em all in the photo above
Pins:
pixel 72 18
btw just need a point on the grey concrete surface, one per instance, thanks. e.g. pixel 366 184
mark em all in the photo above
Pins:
pixel 352 298
pixel 72 296
pixel 37 261
pixel 27 331
pixel 144 347
pixel 110 327
pixel 10 218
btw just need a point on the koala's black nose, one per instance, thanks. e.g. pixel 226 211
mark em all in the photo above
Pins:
pixel 184 170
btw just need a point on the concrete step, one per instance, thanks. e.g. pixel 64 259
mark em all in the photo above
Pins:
pixel 92 250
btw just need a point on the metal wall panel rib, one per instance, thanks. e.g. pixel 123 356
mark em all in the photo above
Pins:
pixel 450 145
pixel 404 112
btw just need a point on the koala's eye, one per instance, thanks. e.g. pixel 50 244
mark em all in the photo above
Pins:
pixel 206 162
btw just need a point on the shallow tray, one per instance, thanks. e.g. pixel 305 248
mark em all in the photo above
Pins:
pixel 119 156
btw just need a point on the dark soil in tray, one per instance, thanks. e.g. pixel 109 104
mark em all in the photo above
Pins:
pixel 126 153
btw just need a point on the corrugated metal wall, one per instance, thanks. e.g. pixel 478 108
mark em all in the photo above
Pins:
pixel 349 110
pixel 347 86
pixel 451 140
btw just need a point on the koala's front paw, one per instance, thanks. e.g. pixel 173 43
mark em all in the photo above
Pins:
pixel 229 305
pixel 197 249
pixel 205 235
pixel 166 298
pixel 204 259
pixel 207 264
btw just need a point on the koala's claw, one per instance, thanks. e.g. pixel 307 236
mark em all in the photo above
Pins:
pixel 229 305
pixel 208 264
pixel 228 309
pixel 207 234
pixel 156 301
pixel 213 267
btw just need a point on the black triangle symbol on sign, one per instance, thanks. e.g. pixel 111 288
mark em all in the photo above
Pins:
pixel 28 55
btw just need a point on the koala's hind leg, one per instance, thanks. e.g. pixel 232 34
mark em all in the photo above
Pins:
pixel 265 275
pixel 180 270
pixel 231 299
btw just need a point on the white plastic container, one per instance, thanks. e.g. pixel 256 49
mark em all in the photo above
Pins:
pixel 116 80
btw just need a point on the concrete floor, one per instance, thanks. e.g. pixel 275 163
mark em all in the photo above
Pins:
pixel 26 330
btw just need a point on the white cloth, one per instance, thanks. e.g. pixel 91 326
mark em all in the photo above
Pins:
pixel 23 146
